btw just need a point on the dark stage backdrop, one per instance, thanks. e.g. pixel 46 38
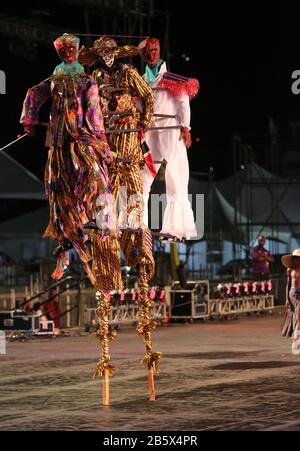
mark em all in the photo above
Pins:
pixel 243 55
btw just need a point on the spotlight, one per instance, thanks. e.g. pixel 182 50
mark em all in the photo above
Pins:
pixel 246 287
pixel 228 289
pixel 270 286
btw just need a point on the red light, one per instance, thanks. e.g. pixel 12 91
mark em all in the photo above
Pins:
pixel 162 296
pixel 152 293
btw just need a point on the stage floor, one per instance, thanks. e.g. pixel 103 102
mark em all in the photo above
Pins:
pixel 230 375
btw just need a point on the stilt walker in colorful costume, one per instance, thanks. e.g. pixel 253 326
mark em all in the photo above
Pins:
pixel 76 172
pixel 172 108
pixel 120 86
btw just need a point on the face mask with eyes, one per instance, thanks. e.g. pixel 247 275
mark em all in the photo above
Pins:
pixel 105 47
pixel 67 47
pixel 151 52
pixel 68 53
pixel 109 59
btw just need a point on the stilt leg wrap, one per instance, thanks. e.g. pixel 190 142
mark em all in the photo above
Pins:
pixel 146 326
pixel 104 335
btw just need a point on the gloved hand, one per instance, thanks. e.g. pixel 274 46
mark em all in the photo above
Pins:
pixel 29 129
pixel 185 136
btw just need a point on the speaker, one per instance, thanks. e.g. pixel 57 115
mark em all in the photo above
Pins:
pixel 181 303
pixel 15 321
pixel 6 321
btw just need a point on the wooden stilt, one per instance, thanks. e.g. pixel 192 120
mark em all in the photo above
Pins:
pixel 151 384
pixel 144 328
pixel 104 368
pixel 106 388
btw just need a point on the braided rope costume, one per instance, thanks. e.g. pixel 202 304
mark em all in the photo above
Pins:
pixel 121 88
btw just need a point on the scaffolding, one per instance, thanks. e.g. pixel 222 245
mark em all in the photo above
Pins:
pixel 135 18
pixel 247 230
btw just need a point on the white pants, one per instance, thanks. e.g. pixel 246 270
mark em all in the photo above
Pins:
pixel 178 217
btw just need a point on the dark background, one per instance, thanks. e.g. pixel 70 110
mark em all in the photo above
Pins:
pixel 243 56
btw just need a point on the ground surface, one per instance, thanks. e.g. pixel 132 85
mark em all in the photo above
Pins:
pixel 230 375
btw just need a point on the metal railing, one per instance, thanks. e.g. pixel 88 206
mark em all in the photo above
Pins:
pixel 72 296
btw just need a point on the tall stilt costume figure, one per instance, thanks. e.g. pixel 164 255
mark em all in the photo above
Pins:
pixel 120 86
pixel 172 93
pixel 76 172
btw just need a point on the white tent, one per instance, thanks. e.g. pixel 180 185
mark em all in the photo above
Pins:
pixel 31 224
pixel 17 182
pixel 21 237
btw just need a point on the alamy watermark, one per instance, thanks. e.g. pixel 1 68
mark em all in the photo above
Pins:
pixel 296 84
pixel 2 343
pixel 127 212
pixel 2 82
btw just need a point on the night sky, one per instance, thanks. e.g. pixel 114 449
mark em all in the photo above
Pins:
pixel 242 55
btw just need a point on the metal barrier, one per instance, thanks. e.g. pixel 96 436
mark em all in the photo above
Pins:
pixel 71 297
pixel 127 313
pixel 77 304
pixel 235 306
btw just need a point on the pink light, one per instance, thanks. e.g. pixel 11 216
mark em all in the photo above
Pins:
pixel 246 287
pixel 263 286
pixel 162 296
pixel 270 285
pixel 152 293
pixel 134 295
pixel 122 296
pixel 238 288
pixel 228 289
pixel 254 287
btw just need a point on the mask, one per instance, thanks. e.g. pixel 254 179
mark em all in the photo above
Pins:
pixel 106 47
pixel 67 47
pixel 109 59
pixel 151 52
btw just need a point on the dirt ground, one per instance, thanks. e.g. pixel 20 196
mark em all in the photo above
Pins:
pixel 229 375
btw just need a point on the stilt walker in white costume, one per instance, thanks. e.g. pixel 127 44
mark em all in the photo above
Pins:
pixel 172 108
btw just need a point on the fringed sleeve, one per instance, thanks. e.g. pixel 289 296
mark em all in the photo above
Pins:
pixel 35 98
pixel 93 115
pixel 94 118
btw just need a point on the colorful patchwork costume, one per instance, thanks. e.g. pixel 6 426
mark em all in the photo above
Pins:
pixel 76 171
